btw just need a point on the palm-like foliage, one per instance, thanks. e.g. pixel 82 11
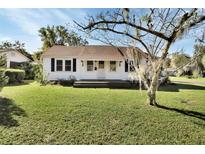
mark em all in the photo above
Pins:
pixel 37 56
pixel 59 35
pixel 179 59
pixel 48 36
pixel 17 45
pixel 62 35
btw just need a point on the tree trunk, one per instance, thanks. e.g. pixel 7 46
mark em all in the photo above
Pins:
pixel 152 89
pixel 151 96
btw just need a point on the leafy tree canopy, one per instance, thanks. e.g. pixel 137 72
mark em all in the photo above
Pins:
pixel 59 35
pixel 203 60
pixel 37 56
pixel 199 52
pixel 17 45
pixel 179 59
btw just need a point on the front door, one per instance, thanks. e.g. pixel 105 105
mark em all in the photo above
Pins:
pixel 101 70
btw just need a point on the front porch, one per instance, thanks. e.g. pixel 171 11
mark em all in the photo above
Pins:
pixel 102 69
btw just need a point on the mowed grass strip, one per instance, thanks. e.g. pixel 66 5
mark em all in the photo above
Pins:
pixel 34 114
pixel 189 80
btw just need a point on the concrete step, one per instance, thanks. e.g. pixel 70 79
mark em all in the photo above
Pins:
pixel 102 84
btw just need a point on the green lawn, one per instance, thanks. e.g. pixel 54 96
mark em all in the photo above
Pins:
pixel 33 114
pixel 185 79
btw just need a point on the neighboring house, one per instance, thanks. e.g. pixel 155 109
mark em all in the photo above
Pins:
pixel 13 57
pixel 91 62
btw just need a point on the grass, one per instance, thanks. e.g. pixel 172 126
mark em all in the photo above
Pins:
pixel 185 79
pixel 34 114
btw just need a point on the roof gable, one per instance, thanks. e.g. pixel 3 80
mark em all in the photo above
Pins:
pixel 13 50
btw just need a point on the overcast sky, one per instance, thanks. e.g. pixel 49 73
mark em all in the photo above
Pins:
pixel 23 25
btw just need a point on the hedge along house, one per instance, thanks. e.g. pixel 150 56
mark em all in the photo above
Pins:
pixel 13 57
pixel 92 62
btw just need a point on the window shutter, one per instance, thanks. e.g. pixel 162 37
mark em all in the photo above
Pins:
pixel 126 66
pixel 52 64
pixel 74 65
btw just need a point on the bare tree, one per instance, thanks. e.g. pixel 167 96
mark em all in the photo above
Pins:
pixel 151 30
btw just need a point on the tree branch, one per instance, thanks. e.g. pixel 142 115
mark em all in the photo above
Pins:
pixel 92 25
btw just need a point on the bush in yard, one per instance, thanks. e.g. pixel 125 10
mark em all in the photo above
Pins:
pixel 203 60
pixel 196 74
pixel 29 70
pixel 3 77
pixel 64 82
pixel 165 80
pixel 38 74
pixel 15 75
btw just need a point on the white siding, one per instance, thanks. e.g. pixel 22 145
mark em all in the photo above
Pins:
pixel 82 73
pixel 59 75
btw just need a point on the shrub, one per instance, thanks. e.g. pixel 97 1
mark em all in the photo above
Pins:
pixel 27 67
pixel 38 74
pixel 15 75
pixel 29 70
pixel 196 74
pixel 165 80
pixel 64 82
pixel 189 76
pixel 3 78
pixel 72 78
pixel 203 60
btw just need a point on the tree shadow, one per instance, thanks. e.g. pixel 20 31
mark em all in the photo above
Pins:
pixel 18 83
pixel 172 87
pixel 202 125
pixel 190 113
pixel 175 87
pixel 7 110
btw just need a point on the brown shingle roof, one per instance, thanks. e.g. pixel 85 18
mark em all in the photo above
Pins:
pixel 10 49
pixel 91 52
pixel 6 50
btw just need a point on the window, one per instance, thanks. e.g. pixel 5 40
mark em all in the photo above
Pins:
pixel 59 64
pixel 132 68
pixel 112 66
pixel 126 66
pixel 89 65
pixel 101 64
pixel 67 65
pixel 52 64
pixel 74 65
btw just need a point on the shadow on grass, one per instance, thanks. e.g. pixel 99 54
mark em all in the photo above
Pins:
pixel 18 83
pixel 7 110
pixel 175 87
pixel 190 113
pixel 202 125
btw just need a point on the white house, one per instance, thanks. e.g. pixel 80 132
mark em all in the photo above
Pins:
pixel 91 62
pixel 13 57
